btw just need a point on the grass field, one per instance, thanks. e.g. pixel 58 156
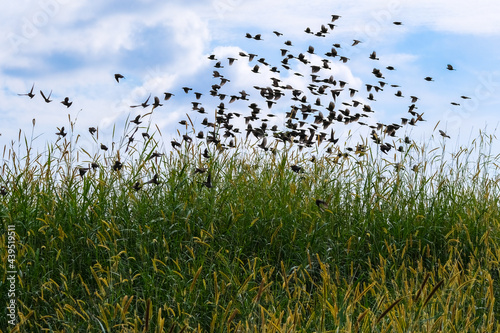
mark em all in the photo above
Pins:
pixel 354 243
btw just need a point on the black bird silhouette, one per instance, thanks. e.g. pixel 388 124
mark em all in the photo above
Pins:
pixel 428 78
pixel 83 171
pixel 322 205
pixel 66 102
pixel 61 132
pixel 208 183
pixel 373 55
pixel 137 186
pixel 47 99
pixel 136 120
pixel 443 134
pixel 154 155
pixel 30 94
pixel 186 89
pixel 175 144
pixel 450 67
pixel 118 77
pixel 156 103
pixel 397 23
pixel 168 95
pixel 355 42
pixel 92 130
pixel 296 168
pixel 154 180
pixel 103 147
pixel 144 105
pixel 117 166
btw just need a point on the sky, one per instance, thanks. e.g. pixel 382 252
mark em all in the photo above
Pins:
pixel 74 48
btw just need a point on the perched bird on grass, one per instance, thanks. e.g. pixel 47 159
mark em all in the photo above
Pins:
pixel 296 168
pixel 92 130
pixel 104 147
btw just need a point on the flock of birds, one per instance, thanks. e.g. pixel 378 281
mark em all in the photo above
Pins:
pixel 328 101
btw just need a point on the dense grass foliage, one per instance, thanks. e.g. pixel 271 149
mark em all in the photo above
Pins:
pixel 406 246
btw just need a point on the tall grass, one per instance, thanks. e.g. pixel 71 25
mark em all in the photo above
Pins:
pixel 406 242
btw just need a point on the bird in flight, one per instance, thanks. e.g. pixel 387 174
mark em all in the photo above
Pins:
pixel 154 180
pixel 83 171
pixel 156 103
pixel 66 102
pixel 373 55
pixel 117 166
pixel 322 205
pixel 144 105
pixel 118 77
pixel 136 120
pixel 47 99
pixel 443 134
pixel 168 95
pixel 208 183
pixel 450 67
pixel 61 132
pixel 30 94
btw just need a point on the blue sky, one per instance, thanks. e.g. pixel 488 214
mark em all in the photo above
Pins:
pixel 74 48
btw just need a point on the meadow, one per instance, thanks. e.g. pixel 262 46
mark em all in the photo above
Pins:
pixel 348 242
